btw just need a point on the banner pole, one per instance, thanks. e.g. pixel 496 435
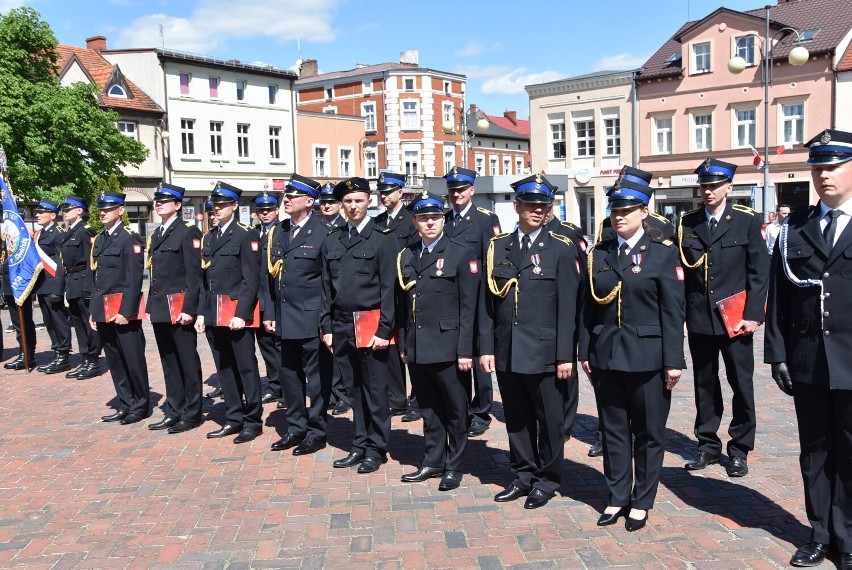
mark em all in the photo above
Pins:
pixel 24 348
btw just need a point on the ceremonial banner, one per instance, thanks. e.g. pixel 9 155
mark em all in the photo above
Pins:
pixel 23 261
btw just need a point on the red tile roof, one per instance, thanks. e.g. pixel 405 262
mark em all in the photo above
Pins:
pixel 522 128
pixel 846 63
pixel 100 71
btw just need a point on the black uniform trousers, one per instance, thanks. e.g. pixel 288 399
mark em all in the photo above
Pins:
pixel 738 355
pixel 57 321
pixel 306 370
pixel 270 350
pixel 338 386
pixel 366 371
pixel 535 419
pixel 88 342
pixel 571 400
pixel 233 354
pixel 124 348
pixel 397 396
pixel 825 439
pixel 482 396
pixel 442 397
pixel 633 408
pixel 15 317
pixel 178 348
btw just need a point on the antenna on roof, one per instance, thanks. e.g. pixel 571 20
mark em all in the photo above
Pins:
pixel 299 47
pixel 162 37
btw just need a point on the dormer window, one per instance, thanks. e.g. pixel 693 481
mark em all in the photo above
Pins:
pixel 808 35
pixel 675 57
pixel 117 91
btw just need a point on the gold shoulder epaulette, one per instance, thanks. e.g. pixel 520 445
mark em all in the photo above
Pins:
pixel 128 230
pixel 190 224
pixel 384 230
pixel 484 211
pixel 87 226
pixel 667 242
pixel 242 225
pixel 562 238
pixel 660 217
pixel 682 214
pixel 568 225
pixel 501 236
pixel 744 209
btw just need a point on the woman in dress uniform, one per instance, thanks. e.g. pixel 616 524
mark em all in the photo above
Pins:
pixel 631 347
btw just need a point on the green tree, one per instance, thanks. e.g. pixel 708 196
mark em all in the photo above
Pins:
pixel 58 139
pixel 111 184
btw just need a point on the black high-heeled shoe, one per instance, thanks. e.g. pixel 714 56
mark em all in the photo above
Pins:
pixel 609 519
pixel 632 525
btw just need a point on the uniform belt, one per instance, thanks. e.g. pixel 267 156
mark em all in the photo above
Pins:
pixel 341 315
pixel 75 268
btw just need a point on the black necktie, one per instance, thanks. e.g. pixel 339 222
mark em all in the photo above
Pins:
pixel 623 257
pixel 162 231
pixel 712 226
pixel 424 253
pixel 389 220
pixel 294 229
pixel 216 233
pixel 353 232
pixel 262 231
pixel 831 228
pixel 525 244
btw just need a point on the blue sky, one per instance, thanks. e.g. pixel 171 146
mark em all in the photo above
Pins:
pixel 501 46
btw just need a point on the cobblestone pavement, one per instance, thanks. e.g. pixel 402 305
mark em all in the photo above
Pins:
pixel 79 493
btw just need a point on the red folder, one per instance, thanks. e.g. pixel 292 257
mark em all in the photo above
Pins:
pixel 226 309
pixel 732 309
pixel 366 325
pixel 112 307
pixel 175 301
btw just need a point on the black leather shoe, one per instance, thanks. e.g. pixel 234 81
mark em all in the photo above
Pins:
pixel 511 493
pixel 351 460
pixel 340 408
pixel 268 398
pixel 370 464
pixel 165 423
pixel 224 431
pixel 248 434
pixel 632 525
pixel 288 441
pixel 131 419
pixel 76 372
pixel 451 480
pixel 281 404
pixel 477 428
pixel 537 498
pixel 737 467
pixel 422 474
pixel 607 519
pixel 216 393
pixel 309 446
pixel 59 364
pixel 397 412
pixel 596 450
pixel 811 554
pixel 14 364
pixel 702 460
pixel 846 561
pixel 412 416
pixel 116 417
pixel 90 371
pixel 43 367
pixel 183 426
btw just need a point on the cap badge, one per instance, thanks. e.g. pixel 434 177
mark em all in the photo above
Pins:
pixel 454 171
pixel 159 186
pixel 617 190
pixel 424 195
pixel 538 178
pixel 265 194
pixel 103 195
pixel 825 138
pixel 707 164
pixel 349 184
pixel 382 178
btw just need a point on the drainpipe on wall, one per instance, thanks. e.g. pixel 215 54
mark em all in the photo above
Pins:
pixel 635 118
pixel 293 121
pixel 385 118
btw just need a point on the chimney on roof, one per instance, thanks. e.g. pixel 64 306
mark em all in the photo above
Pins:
pixel 472 109
pixel 97 43
pixel 512 116
pixel 360 65
pixel 410 56
pixel 309 68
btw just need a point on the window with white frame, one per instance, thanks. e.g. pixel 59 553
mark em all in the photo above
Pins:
pixel 662 132
pixel 746 123
pixel 213 87
pixel 410 119
pixel 793 121
pixel 449 159
pixel 701 57
pixel 411 163
pixel 329 110
pixel 320 158
pixel 557 140
pixel 448 87
pixel 117 91
pixel 493 164
pixel 367 87
pixel 345 162
pixel 519 165
pixel 612 136
pixel 242 140
pixel 329 93
pixel 448 115
pixel 702 132
pixel 368 111
pixel 127 128
pixel 275 142
pixel 184 83
pixel 273 94
pixel 507 166
pixel 745 48
pixel 408 83
pixel 216 138
pixel 479 165
pixel 187 136
pixel 585 137
pixel 241 90
pixel 371 169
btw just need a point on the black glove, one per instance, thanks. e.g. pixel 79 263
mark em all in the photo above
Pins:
pixel 781 375
pixel 56 302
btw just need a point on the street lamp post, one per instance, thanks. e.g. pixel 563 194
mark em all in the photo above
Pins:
pixel 798 56
pixel 467 135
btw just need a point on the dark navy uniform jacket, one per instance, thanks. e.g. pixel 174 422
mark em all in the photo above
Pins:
pixel 175 268
pixel 796 321
pixel 736 260
pixel 541 331
pixel 50 240
pixel 75 248
pixel 474 230
pixel 434 321
pixel 117 265
pixel 650 333
pixel 661 228
pixel 297 285
pixel 359 275
pixel 232 268
pixel 401 228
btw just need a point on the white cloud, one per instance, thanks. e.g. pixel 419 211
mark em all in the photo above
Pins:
pixel 504 80
pixel 473 49
pixel 619 61
pixel 214 22
pixel 6 5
